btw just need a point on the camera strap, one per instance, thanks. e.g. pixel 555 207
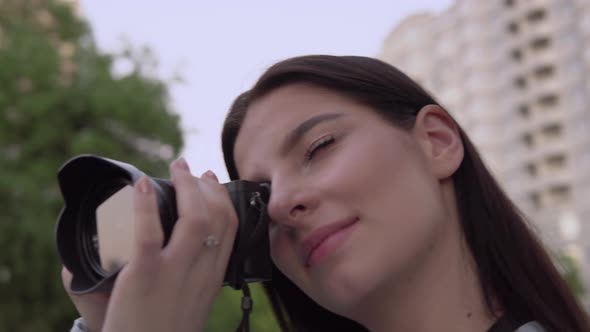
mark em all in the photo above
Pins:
pixel 247 303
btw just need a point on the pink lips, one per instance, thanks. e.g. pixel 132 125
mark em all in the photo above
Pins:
pixel 319 236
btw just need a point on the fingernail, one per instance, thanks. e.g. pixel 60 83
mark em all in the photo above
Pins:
pixel 181 163
pixel 209 174
pixel 144 186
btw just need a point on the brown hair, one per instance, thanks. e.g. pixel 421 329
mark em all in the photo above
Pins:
pixel 512 265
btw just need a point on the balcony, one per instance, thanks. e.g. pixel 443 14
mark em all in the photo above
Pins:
pixel 540 3
pixel 542 88
pixel 539 28
pixel 531 60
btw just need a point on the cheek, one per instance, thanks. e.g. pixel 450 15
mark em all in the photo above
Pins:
pixel 409 218
pixel 407 199
pixel 400 198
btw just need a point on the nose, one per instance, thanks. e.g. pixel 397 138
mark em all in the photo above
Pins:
pixel 289 204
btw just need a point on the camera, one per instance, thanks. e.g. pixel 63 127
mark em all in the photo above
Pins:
pixel 94 230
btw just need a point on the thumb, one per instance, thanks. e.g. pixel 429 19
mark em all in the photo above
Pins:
pixel 92 306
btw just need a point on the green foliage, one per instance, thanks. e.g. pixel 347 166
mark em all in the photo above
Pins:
pixel 226 313
pixel 59 98
pixel 571 273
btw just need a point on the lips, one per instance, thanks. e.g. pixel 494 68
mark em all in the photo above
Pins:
pixel 321 234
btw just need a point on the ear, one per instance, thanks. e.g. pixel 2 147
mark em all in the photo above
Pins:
pixel 439 138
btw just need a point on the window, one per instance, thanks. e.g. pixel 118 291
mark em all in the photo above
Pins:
pixel 548 100
pixel 520 82
pixel 544 71
pixel 527 138
pixel 513 28
pixel 524 111
pixel 560 193
pixel 535 199
pixel 516 54
pixel 531 169
pixel 552 131
pixel 556 162
pixel 540 43
pixel 537 15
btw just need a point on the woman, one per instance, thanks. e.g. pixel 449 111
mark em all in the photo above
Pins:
pixel 384 217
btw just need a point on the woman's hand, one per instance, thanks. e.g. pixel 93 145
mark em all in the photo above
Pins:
pixel 172 288
pixel 91 306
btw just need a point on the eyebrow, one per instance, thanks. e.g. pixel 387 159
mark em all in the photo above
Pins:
pixel 298 132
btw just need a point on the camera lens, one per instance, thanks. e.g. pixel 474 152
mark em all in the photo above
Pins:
pixel 114 234
pixel 105 228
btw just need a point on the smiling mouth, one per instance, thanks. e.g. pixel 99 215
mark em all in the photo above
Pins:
pixel 326 239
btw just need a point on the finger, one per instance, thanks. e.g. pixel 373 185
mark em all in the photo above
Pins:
pixel 209 175
pixel 213 259
pixel 149 235
pixel 194 221
pixel 66 278
pixel 211 210
pixel 91 306
pixel 186 187
pixel 210 214
pixel 228 221
pixel 212 262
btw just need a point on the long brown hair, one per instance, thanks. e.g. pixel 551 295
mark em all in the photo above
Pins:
pixel 513 267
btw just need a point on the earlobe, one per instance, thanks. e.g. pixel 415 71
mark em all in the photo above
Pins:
pixel 439 137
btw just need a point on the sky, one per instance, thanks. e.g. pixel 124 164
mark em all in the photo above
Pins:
pixel 220 48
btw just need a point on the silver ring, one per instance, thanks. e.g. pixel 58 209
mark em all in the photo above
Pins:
pixel 211 241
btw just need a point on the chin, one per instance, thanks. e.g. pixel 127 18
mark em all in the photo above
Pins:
pixel 344 288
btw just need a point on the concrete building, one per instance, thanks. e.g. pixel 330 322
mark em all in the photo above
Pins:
pixel 516 75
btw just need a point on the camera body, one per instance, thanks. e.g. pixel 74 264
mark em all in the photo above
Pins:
pixel 87 237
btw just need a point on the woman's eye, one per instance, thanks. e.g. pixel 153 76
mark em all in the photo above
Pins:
pixel 318 145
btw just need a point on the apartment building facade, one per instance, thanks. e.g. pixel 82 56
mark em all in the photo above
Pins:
pixel 516 75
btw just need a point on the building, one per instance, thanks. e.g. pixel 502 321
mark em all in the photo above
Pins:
pixel 516 75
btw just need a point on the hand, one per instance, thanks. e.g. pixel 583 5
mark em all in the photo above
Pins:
pixel 172 288
pixel 91 306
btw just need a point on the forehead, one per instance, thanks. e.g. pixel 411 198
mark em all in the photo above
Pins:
pixel 270 118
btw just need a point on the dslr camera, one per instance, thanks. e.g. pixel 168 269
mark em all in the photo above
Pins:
pixel 94 231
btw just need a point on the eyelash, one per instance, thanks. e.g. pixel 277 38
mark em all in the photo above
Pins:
pixel 317 145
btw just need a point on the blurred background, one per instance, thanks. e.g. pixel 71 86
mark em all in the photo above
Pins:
pixel 147 82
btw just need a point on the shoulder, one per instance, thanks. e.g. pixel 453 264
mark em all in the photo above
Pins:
pixel 531 327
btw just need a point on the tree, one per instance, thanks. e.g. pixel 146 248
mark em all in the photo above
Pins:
pixel 570 271
pixel 59 97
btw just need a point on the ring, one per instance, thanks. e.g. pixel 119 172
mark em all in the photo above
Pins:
pixel 211 241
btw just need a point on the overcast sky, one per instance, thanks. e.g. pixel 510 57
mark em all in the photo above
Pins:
pixel 221 47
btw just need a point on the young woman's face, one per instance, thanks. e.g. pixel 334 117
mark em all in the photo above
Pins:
pixel 354 203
